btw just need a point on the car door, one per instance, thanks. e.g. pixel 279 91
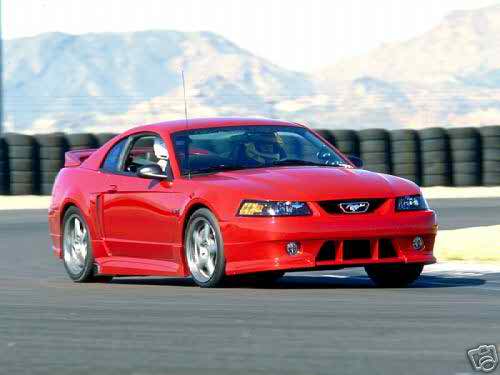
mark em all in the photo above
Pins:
pixel 138 215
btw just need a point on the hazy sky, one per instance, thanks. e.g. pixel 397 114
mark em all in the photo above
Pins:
pixel 296 34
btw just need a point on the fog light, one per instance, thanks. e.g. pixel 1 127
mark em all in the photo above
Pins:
pixel 293 248
pixel 418 243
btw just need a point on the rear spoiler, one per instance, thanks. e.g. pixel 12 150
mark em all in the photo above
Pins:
pixel 77 157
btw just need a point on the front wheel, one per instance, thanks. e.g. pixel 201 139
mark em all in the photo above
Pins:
pixel 204 248
pixel 394 275
pixel 77 249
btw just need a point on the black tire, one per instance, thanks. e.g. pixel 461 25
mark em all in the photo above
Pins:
pixel 374 146
pixel 21 165
pixel 21 152
pixel 438 144
pixel 463 133
pixel 404 147
pixel 14 139
pixel 405 158
pixel 432 133
pixel 491 179
pixel 345 135
pixel 81 141
pixel 490 131
pixel 491 167
pixel 46 189
pixel 48 177
pixel 394 275
pixel 459 156
pixel 466 179
pixel 406 169
pixel 492 142
pixel 51 153
pixel 22 189
pixel 376 157
pixel 435 180
pixel 435 157
pixel 436 169
pixel 56 140
pixel 471 167
pixel 491 154
pixel 21 177
pixel 51 165
pixel 218 275
pixel 465 144
pixel 87 274
pixel 404 135
pixel 373 134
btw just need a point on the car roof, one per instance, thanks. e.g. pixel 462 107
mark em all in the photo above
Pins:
pixel 169 127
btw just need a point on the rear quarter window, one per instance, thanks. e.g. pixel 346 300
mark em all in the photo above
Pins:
pixel 112 161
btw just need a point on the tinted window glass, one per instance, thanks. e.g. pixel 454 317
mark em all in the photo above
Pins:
pixel 141 153
pixel 242 147
pixel 112 161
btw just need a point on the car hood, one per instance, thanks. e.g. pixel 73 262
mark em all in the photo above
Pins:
pixel 310 183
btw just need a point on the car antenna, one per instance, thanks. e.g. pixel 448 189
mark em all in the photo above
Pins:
pixel 187 121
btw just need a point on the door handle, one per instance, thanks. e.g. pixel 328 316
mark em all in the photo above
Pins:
pixel 112 189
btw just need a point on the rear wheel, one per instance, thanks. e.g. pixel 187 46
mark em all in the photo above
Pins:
pixel 77 249
pixel 204 249
pixel 394 275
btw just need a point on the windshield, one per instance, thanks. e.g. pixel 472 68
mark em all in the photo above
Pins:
pixel 244 147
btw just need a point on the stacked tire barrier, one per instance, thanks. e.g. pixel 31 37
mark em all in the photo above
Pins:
pixel 23 169
pixel 81 141
pixel 51 150
pixel 490 154
pixel 405 154
pixel 465 145
pixel 374 145
pixel 435 154
pixel 429 157
pixel 4 168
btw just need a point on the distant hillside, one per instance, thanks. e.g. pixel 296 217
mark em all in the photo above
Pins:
pixel 67 82
pixel 449 76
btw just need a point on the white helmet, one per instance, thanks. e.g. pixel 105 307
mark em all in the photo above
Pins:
pixel 160 149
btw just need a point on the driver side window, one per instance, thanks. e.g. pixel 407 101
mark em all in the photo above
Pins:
pixel 140 154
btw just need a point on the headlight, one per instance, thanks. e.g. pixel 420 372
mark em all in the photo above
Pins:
pixel 262 208
pixel 411 203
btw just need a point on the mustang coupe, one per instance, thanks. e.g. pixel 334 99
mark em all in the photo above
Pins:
pixel 215 198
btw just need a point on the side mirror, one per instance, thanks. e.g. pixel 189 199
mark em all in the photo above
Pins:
pixel 358 163
pixel 154 172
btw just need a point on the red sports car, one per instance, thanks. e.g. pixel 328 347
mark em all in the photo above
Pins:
pixel 213 198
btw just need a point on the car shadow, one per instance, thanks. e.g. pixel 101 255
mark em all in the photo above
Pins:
pixel 291 281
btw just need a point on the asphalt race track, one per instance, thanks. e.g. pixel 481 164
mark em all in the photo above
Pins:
pixel 308 323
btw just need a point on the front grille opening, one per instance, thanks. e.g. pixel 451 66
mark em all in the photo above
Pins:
pixel 327 251
pixel 386 249
pixel 357 249
pixel 333 208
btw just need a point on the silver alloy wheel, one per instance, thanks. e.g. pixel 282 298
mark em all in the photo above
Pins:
pixel 202 250
pixel 75 244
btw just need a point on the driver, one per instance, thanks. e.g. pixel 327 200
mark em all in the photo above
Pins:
pixel 264 148
pixel 161 153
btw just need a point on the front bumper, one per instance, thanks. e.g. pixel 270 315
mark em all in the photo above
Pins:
pixel 327 241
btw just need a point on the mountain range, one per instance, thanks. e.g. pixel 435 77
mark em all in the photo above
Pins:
pixel 449 76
